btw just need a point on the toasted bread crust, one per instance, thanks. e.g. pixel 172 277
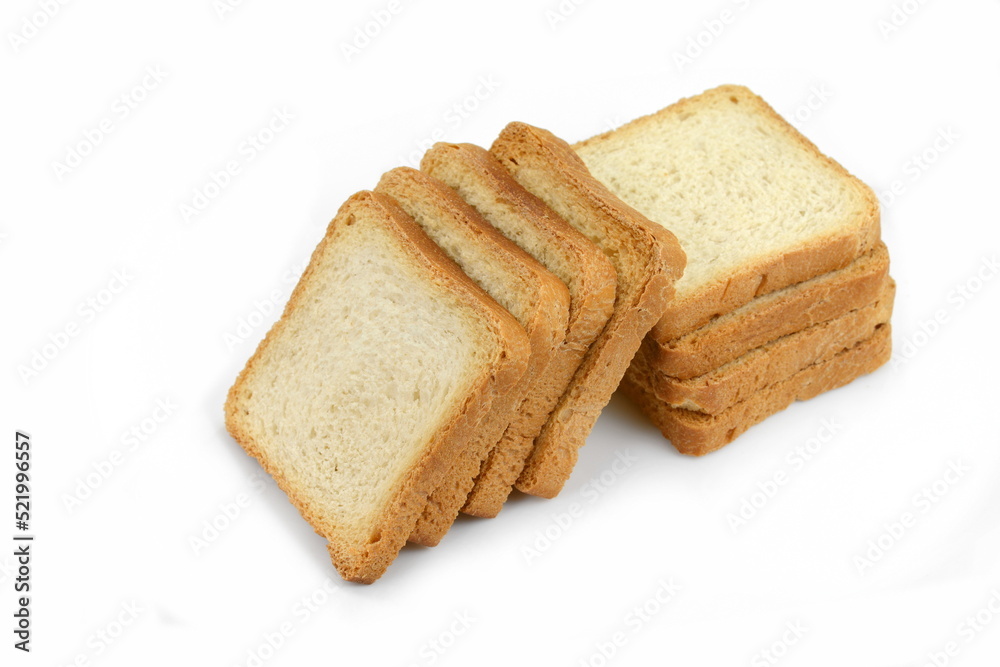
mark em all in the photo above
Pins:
pixel 648 260
pixel 689 312
pixel 769 317
pixel 738 380
pixel 366 563
pixel 546 322
pixel 697 433
pixel 592 288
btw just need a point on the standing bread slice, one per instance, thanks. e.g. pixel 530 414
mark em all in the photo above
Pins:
pixel 755 205
pixel 538 300
pixel 647 260
pixel 367 390
pixel 520 216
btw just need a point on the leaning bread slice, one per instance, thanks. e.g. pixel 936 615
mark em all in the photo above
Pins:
pixel 538 230
pixel 738 380
pixel 755 205
pixel 770 316
pixel 536 298
pixel 697 433
pixel 647 261
pixel 371 384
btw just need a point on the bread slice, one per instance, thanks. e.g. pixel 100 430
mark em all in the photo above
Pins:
pixel 647 260
pixel 770 316
pixel 538 230
pixel 536 298
pixel 755 205
pixel 738 380
pixel 371 384
pixel 697 433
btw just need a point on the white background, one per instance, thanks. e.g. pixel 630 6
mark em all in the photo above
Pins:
pixel 882 99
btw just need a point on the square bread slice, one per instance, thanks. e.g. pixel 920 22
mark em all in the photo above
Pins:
pixel 372 384
pixel 523 218
pixel 739 379
pixel 755 205
pixel 770 316
pixel 536 298
pixel 697 433
pixel 647 260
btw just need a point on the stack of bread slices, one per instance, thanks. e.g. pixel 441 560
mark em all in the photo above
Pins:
pixel 460 328
pixel 786 293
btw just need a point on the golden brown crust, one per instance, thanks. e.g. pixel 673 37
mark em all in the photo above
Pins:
pixel 366 563
pixel 592 289
pixel 647 259
pixel 697 434
pixel 546 320
pixel 737 381
pixel 834 252
pixel 769 317
pixel 596 279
